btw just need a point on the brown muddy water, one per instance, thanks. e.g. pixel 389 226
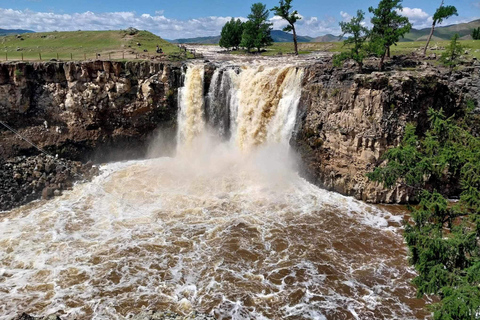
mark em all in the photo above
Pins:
pixel 224 227
pixel 243 238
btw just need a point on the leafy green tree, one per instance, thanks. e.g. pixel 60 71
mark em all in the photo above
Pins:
pixel 388 27
pixel 284 10
pixel 476 34
pixel 231 35
pixel 443 238
pixel 256 32
pixel 356 42
pixel 442 13
pixel 453 52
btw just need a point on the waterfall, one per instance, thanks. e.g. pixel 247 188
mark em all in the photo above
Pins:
pixel 250 105
pixel 191 113
pixel 225 227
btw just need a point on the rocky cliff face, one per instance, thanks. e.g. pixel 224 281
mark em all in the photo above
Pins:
pixel 349 120
pixel 86 110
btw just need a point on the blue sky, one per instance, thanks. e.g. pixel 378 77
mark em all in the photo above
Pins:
pixel 191 18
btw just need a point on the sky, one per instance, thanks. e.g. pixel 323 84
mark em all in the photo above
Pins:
pixel 175 19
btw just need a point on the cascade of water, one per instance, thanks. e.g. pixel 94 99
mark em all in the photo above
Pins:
pixel 218 102
pixel 191 120
pixel 250 105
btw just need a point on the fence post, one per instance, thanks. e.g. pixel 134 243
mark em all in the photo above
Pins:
pixel 22 56
pixel 6 56
pixel 40 56
pixel 84 56
pixel 71 57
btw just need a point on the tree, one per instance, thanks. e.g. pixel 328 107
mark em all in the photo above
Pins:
pixel 231 35
pixel 476 34
pixel 388 27
pixel 443 238
pixel 451 56
pixel 256 32
pixel 284 10
pixel 441 14
pixel 359 34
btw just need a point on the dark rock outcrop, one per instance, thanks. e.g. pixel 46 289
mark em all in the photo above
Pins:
pixel 86 110
pixel 348 121
pixel 24 179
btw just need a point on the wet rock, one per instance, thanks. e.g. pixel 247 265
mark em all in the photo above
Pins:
pixel 24 179
pixel 25 316
pixel 167 315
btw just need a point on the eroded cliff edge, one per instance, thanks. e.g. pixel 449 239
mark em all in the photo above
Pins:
pixel 348 121
pixel 103 111
pixel 97 110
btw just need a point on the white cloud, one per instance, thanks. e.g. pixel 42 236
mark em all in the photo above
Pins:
pixel 157 23
pixel 345 16
pixel 418 17
pixel 310 26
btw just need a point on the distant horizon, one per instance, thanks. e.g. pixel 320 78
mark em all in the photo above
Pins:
pixel 172 21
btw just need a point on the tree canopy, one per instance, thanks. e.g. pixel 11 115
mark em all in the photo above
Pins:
pixel 442 13
pixel 443 237
pixel 256 33
pixel 284 10
pixel 231 35
pixel 359 34
pixel 476 34
pixel 388 27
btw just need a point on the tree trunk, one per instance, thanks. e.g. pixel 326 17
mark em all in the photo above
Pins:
pixel 388 52
pixel 380 65
pixel 295 40
pixel 429 38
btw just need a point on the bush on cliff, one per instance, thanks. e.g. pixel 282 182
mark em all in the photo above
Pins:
pixel 453 52
pixel 443 238
pixel 355 43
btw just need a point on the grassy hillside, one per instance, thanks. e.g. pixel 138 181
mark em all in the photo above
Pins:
pixel 81 43
pixel 328 38
pixel 401 48
pixel 443 33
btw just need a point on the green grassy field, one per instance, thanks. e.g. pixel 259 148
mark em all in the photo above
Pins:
pixel 401 48
pixel 80 45
pixel 83 44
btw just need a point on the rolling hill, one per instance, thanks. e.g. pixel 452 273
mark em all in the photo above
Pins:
pixel 464 30
pixel 277 36
pixel 6 32
pixel 80 44
pixel 328 38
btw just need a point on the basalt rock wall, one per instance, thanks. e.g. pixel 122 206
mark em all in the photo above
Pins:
pixel 97 110
pixel 348 120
